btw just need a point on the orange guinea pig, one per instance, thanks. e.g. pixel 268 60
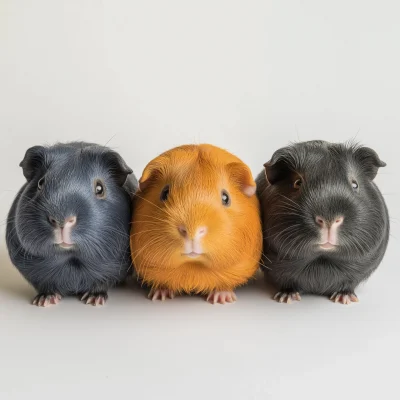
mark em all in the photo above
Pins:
pixel 196 224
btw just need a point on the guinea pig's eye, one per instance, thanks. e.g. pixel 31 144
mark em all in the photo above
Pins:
pixel 297 183
pixel 40 183
pixel 354 184
pixel 99 189
pixel 164 193
pixel 226 200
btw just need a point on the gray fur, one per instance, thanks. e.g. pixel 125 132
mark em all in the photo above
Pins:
pixel 290 232
pixel 101 257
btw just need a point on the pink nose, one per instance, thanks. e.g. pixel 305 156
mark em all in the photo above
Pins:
pixel 323 224
pixel 200 232
pixel 182 230
pixel 53 221
pixel 68 223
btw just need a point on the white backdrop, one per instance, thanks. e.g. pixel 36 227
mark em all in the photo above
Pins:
pixel 249 76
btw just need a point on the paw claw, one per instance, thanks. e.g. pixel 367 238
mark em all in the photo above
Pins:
pixel 222 297
pixel 287 297
pixel 44 300
pixel 94 299
pixel 354 298
pixel 161 294
pixel 296 296
pixel 344 298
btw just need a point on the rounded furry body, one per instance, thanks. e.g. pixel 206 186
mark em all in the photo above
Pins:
pixel 229 236
pixel 61 182
pixel 308 189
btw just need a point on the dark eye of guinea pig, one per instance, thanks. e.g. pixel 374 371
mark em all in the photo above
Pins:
pixel 40 183
pixel 99 189
pixel 354 184
pixel 226 200
pixel 297 183
pixel 164 193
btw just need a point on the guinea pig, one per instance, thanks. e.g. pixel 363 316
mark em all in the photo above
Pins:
pixel 196 225
pixel 325 222
pixel 68 227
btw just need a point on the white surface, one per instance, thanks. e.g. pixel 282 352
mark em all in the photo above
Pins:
pixel 249 76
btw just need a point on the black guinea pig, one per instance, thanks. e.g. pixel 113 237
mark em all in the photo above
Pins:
pixel 68 228
pixel 325 222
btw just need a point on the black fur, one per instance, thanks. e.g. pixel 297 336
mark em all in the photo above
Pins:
pixel 290 230
pixel 101 257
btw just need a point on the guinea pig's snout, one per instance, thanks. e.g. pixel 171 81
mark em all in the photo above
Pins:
pixel 192 240
pixel 63 230
pixel 329 231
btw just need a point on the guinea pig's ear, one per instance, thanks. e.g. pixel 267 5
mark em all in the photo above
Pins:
pixel 277 168
pixel 275 171
pixel 369 161
pixel 117 166
pixel 35 158
pixel 150 173
pixel 242 176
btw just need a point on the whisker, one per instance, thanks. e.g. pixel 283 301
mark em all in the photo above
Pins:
pixel 153 204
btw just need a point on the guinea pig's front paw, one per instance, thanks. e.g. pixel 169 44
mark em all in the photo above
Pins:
pixel 161 294
pixel 287 296
pixel 344 297
pixel 46 299
pixel 95 299
pixel 221 297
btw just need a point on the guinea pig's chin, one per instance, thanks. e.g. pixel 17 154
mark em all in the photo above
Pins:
pixel 193 259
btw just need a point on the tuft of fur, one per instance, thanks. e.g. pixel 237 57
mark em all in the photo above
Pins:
pixel 297 263
pixel 196 175
pixel 101 256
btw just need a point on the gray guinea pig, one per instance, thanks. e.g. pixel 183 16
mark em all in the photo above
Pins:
pixel 325 222
pixel 68 228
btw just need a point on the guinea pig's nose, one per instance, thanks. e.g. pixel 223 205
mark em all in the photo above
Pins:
pixel 320 221
pixel 70 222
pixel 182 230
pixel 201 232
pixel 330 224
pixel 337 222
pixel 53 221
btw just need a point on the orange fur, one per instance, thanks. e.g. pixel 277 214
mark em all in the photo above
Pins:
pixel 232 245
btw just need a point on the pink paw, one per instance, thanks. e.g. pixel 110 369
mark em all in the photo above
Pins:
pixel 161 294
pixel 44 300
pixel 287 297
pixel 221 297
pixel 344 298
pixel 94 299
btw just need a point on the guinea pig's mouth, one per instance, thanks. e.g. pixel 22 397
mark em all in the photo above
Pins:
pixel 64 245
pixel 192 254
pixel 327 246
